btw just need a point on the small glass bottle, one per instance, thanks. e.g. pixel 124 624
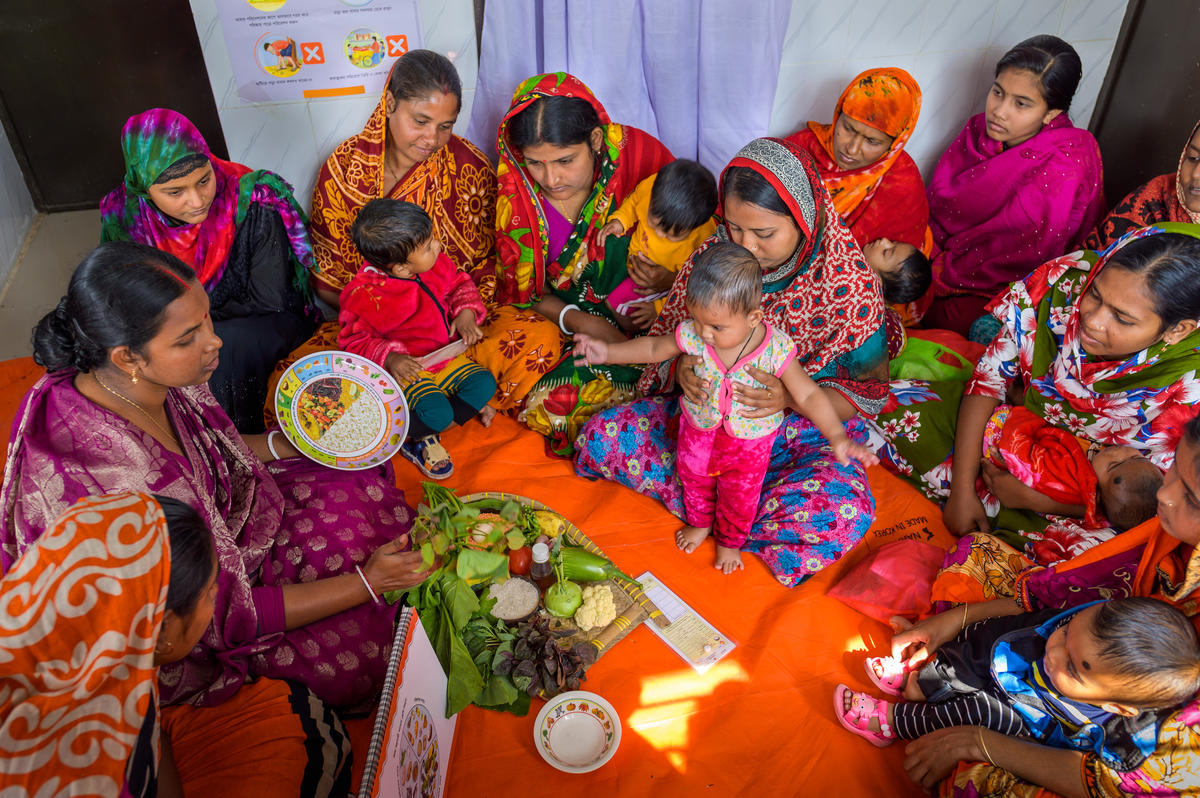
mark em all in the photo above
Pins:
pixel 541 572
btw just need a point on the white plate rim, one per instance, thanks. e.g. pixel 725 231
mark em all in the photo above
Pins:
pixel 576 695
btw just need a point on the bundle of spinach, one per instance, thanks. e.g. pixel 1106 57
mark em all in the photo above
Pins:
pixel 450 610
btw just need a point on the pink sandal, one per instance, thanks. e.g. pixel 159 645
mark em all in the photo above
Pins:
pixel 857 719
pixel 895 674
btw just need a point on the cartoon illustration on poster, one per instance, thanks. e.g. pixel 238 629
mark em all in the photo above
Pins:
pixel 278 55
pixel 365 48
pixel 289 50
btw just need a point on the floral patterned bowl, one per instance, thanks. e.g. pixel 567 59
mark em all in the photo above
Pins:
pixel 577 732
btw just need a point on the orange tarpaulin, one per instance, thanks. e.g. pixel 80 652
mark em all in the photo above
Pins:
pixel 760 721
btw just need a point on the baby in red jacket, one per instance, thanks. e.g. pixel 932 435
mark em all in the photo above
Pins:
pixel 403 310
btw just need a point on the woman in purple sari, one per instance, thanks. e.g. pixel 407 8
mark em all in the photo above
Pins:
pixel 125 406
pixel 1019 186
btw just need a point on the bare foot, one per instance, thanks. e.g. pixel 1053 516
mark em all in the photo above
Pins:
pixel 690 537
pixel 728 560
pixel 486 415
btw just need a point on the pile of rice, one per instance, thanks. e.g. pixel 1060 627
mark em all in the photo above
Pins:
pixel 515 598
pixel 355 430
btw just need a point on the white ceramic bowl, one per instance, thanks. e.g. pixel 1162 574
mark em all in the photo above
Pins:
pixel 577 732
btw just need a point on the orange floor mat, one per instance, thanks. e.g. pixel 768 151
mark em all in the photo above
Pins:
pixel 760 722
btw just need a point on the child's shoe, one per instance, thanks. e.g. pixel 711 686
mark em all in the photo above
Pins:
pixel 888 674
pixel 429 455
pixel 863 709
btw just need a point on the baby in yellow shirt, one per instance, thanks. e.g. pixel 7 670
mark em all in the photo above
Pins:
pixel 670 214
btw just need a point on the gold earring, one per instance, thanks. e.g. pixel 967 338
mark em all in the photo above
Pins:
pixel 133 375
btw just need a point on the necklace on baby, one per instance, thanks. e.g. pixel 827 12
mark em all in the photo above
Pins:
pixel 170 435
pixel 742 351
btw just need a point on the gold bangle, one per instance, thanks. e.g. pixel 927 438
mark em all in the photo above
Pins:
pixel 983 746
pixel 963 628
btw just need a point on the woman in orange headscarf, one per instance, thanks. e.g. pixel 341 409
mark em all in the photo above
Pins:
pixel 873 182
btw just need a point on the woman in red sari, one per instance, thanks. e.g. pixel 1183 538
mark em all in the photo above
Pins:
pixel 874 184
pixel 1166 198
pixel 564 170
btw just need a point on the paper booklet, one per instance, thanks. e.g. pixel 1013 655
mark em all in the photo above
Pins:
pixel 410 746
pixel 690 636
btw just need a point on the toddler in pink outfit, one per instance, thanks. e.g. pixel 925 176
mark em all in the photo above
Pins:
pixel 723 452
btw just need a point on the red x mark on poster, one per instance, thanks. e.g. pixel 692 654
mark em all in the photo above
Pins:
pixel 397 45
pixel 312 53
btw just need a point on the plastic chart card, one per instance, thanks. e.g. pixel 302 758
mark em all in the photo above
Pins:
pixel 687 634
pixel 284 50
pixel 410 746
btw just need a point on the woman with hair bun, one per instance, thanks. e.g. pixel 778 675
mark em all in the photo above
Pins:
pixel 303 550
pixel 1019 186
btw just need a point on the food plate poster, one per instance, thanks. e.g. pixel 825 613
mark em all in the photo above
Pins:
pixel 288 50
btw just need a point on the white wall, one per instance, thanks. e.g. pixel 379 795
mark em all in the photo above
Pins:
pixel 949 46
pixel 294 138
pixel 16 209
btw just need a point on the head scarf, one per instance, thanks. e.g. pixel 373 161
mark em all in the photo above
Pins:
pixel 155 140
pixel 80 612
pixel 825 296
pixel 1142 401
pixel 886 99
pixel 456 186
pixel 1160 199
pixel 626 157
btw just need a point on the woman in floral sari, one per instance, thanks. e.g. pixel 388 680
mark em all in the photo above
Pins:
pixel 1158 559
pixel 818 288
pixel 1166 198
pixel 1103 345
pixel 124 406
pixel 564 169
pixel 407 151
pixel 873 182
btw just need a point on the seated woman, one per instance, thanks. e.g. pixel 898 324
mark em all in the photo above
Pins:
pixel 564 170
pixel 1019 186
pixel 816 288
pixel 88 726
pixel 407 151
pixel 240 230
pixel 125 406
pixel 1166 198
pixel 873 182
pixel 1157 559
pixel 1105 347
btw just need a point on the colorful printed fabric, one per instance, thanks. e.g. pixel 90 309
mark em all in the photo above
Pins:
pixel 290 522
pixel 525 350
pixel 1044 457
pixel 997 213
pixel 772 355
pixel 155 140
pixel 1142 401
pixel 886 198
pixel 825 297
pixel 1160 200
pixel 382 313
pixel 525 267
pixel 455 185
pixel 812 509
pixel 81 611
pixel 1145 561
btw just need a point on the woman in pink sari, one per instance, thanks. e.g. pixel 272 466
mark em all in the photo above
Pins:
pixel 1019 186
pixel 125 406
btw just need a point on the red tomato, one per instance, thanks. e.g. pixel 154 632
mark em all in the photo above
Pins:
pixel 519 561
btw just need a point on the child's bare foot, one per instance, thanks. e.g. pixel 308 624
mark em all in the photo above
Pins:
pixel 486 415
pixel 728 560
pixel 690 537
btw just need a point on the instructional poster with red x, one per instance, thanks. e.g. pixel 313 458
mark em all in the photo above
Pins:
pixel 286 50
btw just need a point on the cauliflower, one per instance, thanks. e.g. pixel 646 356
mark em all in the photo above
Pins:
pixel 597 610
